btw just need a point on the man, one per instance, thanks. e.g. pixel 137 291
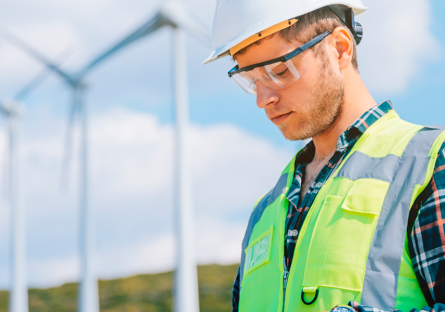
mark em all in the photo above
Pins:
pixel 357 216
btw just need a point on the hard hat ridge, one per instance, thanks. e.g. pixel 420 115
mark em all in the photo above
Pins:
pixel 262 34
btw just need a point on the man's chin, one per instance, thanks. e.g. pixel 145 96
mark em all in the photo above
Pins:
pixel 294 134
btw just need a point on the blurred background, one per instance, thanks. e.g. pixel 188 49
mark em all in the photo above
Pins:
pixel 237 153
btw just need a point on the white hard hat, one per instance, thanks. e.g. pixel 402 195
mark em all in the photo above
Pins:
pixel 238 20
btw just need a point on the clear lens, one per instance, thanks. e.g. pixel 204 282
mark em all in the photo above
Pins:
pixel 275 76
pixel 246 84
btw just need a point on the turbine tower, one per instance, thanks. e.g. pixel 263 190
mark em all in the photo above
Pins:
pixel 18 297
pixel 177 16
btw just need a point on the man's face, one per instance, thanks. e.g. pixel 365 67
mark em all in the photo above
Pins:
pixel 311 104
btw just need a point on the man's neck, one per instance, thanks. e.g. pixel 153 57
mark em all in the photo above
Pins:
pixel 357 100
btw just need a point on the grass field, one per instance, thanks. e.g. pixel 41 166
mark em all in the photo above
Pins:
pixel 140 293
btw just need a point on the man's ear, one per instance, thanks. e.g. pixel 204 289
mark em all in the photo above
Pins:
pixel 342 44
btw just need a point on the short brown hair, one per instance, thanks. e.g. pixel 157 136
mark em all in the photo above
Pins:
pixel 308 27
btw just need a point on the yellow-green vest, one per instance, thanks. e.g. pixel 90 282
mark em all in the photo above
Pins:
pixel 352 245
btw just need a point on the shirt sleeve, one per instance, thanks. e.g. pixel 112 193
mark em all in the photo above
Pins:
pixel 235 293
pixel 427 238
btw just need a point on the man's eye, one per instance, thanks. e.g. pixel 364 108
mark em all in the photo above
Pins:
pixel 283 73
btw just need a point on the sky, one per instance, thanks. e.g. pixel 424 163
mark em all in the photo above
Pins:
pixel 238 154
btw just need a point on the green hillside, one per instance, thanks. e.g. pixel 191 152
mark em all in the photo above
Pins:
pixel 141 293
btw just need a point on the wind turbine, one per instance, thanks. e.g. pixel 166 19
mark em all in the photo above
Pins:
pixel 175 15
pixel 88 293
pixel 12 110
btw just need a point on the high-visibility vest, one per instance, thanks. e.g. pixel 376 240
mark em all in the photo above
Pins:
pixel 353 243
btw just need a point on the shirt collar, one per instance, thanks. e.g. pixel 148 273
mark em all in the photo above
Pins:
pixel 361 124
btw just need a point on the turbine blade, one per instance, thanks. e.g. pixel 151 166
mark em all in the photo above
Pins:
pixel 66 164
pixel 31 85
pixel 172 13
pixel 66 53
pixel 151 26
pixel 36 55
pixel 180 16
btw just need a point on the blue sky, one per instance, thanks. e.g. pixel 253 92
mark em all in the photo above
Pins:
pixel 238 153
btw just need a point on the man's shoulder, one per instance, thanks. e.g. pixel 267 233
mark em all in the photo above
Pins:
pixel 279 189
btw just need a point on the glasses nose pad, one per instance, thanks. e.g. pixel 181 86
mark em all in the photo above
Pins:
pixel 259 85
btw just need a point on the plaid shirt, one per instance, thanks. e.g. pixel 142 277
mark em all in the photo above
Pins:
pixel 426 231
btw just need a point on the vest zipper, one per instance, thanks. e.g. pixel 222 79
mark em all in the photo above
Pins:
pixel 286 275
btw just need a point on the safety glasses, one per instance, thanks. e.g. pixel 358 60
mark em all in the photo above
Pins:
pixel 278 73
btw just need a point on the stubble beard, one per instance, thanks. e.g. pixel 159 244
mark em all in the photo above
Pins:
pixel 324 106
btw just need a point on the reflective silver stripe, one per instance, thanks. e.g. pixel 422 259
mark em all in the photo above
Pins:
pixel 268 199
pixel 362 166
pixel 386 251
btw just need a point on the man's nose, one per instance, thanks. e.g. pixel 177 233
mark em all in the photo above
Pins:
pixel 265 96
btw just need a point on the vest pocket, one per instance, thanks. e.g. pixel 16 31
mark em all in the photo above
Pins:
pixel 366 197
pixel 258 252
pixel 342 236
pixel 260 287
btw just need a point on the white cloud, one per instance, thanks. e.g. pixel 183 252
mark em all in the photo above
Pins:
pixel 132 194
pixel 397 42
pixel 53 271
pixel 154 254
pixel 221 242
